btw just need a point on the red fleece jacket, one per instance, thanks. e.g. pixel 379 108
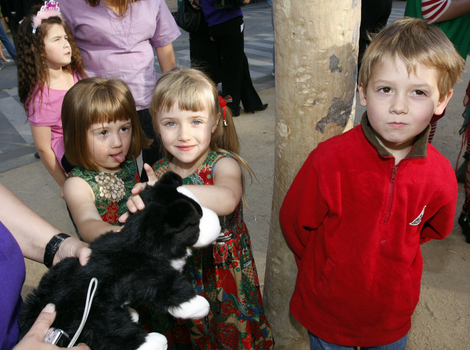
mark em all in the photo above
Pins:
pixel 355 221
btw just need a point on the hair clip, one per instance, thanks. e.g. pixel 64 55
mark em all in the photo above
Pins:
pixel 222 103
pixel 49 9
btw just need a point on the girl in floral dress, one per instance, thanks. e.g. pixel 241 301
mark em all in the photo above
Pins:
pixel 201 143
pixel 102 137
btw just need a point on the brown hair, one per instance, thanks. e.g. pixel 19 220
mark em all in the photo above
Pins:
pixel 97 100
pixel 415 42
pixel 32 59
pixel 122 5
pixel 194 91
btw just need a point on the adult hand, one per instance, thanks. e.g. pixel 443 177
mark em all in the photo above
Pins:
pixel 34 339
pixel 72 247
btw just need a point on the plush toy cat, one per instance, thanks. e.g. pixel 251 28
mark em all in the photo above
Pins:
pixel 143 265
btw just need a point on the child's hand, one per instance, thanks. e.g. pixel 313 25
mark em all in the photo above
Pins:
pixel 135 202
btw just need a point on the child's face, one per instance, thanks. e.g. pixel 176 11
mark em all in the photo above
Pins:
pixel 108 144
pixel 58 50
pixel 186 134
pixel 400 106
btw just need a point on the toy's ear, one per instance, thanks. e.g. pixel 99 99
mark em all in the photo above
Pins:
pixel 171 178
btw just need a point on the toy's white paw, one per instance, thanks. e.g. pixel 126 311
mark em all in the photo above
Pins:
pixel 209 228
pixel 197 307
pixel 154 341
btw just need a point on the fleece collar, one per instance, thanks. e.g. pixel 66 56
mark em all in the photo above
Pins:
pixel 419 148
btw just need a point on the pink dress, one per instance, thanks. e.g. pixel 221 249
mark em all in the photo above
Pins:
pixel 45 110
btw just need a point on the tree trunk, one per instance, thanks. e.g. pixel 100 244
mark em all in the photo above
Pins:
pixel 316 61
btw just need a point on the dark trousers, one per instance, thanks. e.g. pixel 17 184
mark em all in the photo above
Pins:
pixel 374 16
pixel 156 151
pixel 204 52
pixel 235 72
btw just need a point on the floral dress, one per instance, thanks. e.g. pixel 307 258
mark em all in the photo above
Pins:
pixel 111 190
pixel 225 274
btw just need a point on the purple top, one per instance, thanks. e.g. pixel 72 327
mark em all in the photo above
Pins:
pixel 122 47
pixel 47 110
pixel 12 273
pixel 214 16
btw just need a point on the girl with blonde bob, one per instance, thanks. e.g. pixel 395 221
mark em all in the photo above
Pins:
pixel 201 145
pixel 102 138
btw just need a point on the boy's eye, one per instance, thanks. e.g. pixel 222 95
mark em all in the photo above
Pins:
pixel 420 93
pixel 385 89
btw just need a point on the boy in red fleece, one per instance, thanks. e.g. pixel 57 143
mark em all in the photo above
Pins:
pixel 363 202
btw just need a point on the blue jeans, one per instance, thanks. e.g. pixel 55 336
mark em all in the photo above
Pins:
pixel 7 43
pixel 318 344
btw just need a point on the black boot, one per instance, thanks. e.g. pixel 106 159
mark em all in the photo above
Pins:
pixel 463 222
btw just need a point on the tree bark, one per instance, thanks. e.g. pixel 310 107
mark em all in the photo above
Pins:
pixel 316 61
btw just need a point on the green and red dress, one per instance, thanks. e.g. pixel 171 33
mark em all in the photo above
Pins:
pixel 111 189
pixel 225 274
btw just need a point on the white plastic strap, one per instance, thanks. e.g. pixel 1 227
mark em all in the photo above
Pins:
pixel 89 300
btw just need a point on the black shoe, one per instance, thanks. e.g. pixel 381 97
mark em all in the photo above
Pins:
pixel 36 155
pixel 463 220
pixel 466 233
pixel 262 108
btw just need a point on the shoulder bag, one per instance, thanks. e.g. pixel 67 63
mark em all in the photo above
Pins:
pixel 187 17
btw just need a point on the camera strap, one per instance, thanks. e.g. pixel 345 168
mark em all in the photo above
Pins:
pixel 89 300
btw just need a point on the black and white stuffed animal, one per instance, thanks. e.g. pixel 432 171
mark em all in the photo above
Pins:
pixel 143 265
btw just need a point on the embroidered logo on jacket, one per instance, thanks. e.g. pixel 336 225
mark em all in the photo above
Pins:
pixel 417 221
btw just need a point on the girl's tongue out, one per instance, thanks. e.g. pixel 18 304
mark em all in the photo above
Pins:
pixel 119 157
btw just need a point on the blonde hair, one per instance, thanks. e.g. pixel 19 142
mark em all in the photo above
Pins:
pixel 97 100
pixel 415 42
pixel 194 91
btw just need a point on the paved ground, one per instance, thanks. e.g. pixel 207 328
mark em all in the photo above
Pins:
pixel 442 319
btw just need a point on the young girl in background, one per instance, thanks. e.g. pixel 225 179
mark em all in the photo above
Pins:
pixel 49 64
pixel 102 137
pixel 202 147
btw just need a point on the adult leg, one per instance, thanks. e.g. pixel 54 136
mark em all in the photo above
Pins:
pixel 7 43
pixel 374 16
pixel 204 52
pixel 155 152
pixel 229 38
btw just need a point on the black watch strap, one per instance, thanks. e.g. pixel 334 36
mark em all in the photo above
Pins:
pixel 52 247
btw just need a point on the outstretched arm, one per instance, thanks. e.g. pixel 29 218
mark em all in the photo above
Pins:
pixel 80 200
pixel 224 196
pixel 33 233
